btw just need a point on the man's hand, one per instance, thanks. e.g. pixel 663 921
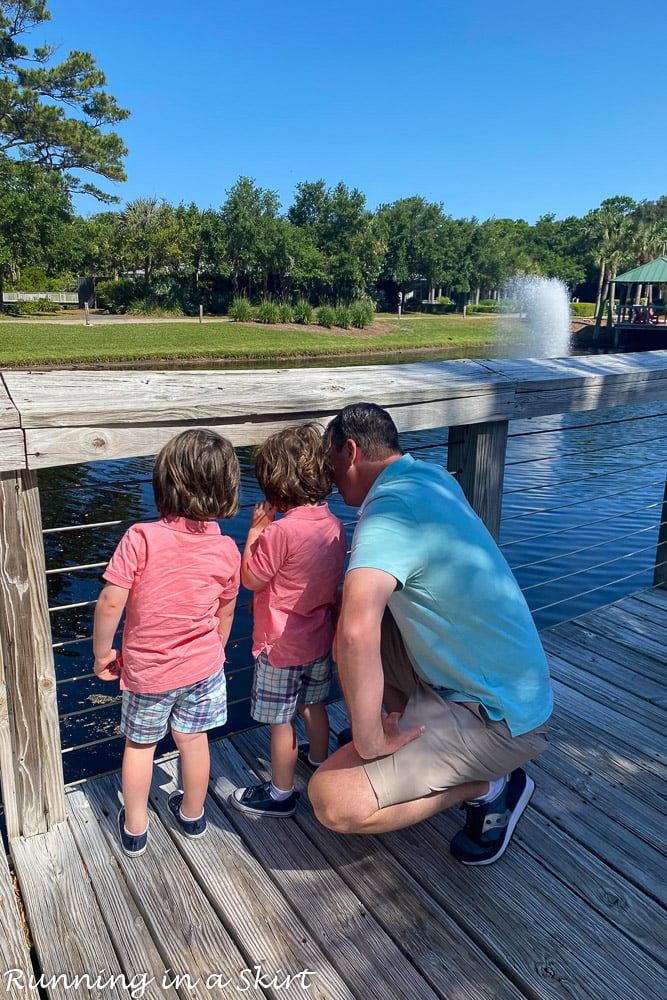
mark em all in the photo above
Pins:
pixel 394 737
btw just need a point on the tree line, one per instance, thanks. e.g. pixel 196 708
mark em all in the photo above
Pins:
pixel 56 130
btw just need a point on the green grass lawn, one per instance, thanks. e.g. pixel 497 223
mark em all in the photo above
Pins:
pixel 107 340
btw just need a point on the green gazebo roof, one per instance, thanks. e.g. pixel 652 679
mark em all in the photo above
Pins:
pixel 654 272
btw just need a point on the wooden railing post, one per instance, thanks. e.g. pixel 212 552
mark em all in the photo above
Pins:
pixel 32 781
pixel 476 456
pixel 660 569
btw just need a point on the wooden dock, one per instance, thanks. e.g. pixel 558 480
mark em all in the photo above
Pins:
pixel 575 908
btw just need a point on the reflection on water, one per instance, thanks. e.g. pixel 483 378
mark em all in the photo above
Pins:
pixel 581 506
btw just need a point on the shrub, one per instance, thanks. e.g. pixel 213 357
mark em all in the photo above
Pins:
pixel 326 316
pixel 303 312
pixel 444 300
pixel 342 314
pixel 268 312
pixel 361 313
pixel 240 311
pixel 284 312
pixel 32 307
pixel 152 306
pixel 582 308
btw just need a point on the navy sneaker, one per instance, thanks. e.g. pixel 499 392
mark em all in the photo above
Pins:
pixel 489 825
pixel 190 827
pixel 304 750
pixel 133 844
pixel 257 800
pixel 344 736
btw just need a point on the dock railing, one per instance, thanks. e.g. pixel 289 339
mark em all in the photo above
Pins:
pixel 58 418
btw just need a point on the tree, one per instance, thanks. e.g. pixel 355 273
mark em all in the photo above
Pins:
pixel 341 228
pixel 250 225
pixel 608 229
pixel 35 211
pixel 149 231
pixel 55 116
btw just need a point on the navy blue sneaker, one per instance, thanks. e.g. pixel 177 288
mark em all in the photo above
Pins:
pixel 257 801
pixel 489 825
pixel 344 736
pixel 190 827
pixel 133 844
pixel 304 750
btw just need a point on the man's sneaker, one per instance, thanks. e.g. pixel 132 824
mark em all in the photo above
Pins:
pixel 190 827
pixel 133 844
pixel 304 750
pixel 344 736
pixel 490 825
pixel 257 800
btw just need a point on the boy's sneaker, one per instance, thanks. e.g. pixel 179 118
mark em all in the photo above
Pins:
pixel 190 827
pixel 133 844
pixel 304 751
pixel 258 801
pixel 489 825
pixel 344 736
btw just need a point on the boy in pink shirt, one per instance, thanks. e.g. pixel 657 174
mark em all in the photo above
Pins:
pixel 294 566
pixel 177 579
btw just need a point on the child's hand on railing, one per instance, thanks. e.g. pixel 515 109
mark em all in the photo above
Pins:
pixel 108 667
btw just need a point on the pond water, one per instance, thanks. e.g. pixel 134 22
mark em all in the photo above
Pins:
pixel 579 530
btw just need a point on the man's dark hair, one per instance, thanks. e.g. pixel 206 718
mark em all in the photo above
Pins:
pixel 369 426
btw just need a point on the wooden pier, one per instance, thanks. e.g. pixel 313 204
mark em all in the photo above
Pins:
pixel 576 908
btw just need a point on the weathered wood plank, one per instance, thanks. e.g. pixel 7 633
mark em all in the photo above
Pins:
pixel 12 450
pixel 249 903
pixel 15 965
pixel 123 398
pixel 558 953
pixel 9 415
pixel 572 673
pixel 192 941
pixel 597 665
pixel 136 951
pixel 428 938
pixel 42 645
pixel 18 657
pixel 609 642
pixel 602 888
pixel 476 456
pixel 67 928
pixel 585 807
pixel 196 931
pixel 72 416
pixel 622 629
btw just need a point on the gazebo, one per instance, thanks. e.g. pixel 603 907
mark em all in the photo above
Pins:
pixel 638 318
pixel 642 293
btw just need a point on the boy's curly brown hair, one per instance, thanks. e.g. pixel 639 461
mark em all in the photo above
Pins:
pixel 292 469
pixel 196 475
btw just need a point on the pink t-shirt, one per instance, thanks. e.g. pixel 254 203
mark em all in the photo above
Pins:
pixel 177 571
pixel 301 557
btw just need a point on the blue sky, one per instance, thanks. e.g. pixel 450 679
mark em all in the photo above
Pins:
pixel 495 110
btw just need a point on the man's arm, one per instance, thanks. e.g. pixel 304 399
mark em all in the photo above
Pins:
pixel 365 596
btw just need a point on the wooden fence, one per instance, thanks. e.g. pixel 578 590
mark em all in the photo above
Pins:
pixel 56 418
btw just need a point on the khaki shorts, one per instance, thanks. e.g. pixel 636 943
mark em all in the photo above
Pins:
pixel 460 744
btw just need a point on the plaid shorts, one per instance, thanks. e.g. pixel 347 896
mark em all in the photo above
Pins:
pixel 276 691
pixel 146 718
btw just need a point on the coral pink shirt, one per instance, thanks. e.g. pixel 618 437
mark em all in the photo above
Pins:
pixel 177 571
pixel 301 558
